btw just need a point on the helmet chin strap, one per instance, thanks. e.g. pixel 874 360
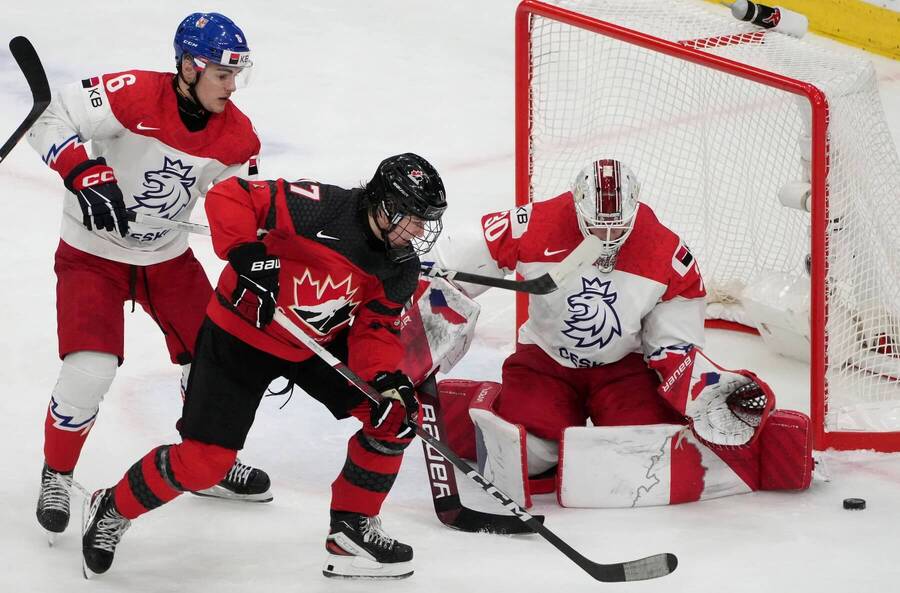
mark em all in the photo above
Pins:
pixel 192 112
pixel 397 253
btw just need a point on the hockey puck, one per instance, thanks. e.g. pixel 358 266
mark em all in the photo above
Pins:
pixel 854 504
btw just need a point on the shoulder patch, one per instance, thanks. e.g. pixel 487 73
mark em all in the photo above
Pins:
pixel 682 259
pixel 519 220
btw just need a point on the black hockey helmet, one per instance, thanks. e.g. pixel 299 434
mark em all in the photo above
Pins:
pixel 404 187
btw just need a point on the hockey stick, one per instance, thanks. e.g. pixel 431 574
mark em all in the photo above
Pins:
pixel 585 254
pixel 24 54
pixel 178 225
pixel 444 491
pixel 651 567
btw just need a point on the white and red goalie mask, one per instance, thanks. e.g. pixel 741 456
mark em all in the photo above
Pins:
pixel 605 194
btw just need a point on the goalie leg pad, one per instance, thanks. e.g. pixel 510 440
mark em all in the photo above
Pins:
pixel 500 448
pixel 785 457
pixel 454 396
pixel 633 466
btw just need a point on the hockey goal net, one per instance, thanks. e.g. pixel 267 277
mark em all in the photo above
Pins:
pixel 717 118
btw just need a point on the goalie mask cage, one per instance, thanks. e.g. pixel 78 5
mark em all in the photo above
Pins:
pixel 716 116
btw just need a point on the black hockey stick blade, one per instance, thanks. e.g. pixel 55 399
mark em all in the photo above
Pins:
pixel 24 54
pixel 651 567
pixel 453 514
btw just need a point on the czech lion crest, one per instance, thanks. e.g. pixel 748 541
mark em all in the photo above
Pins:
pixel 592 319
pixel 167 190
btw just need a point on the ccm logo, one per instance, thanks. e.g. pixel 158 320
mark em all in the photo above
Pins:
pixel 262 266
pixel 105 176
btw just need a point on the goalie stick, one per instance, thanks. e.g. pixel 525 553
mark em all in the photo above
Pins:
pixel 442 479
pixel 585 254
pixel 24 54
pixel 651 567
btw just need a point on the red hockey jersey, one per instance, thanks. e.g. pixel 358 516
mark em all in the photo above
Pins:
pixel 334 272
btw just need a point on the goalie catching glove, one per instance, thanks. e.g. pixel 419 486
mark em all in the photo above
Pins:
pixel 257 274
pixel 725 407
pixel 392 414
pixel 102 205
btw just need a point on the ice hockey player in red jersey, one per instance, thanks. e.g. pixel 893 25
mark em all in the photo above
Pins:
pixel 340 264
pixel 620 344
pixel 157 142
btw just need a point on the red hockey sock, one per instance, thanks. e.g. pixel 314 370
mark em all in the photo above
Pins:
pixel 63 440
pixel 373 461
pixel 167 471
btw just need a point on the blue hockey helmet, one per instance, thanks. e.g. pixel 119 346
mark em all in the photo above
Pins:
pixel 210 37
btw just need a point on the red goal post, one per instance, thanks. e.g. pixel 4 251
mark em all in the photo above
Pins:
pixel 716 117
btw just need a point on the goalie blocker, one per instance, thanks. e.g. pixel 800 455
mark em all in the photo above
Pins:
pixel 624 466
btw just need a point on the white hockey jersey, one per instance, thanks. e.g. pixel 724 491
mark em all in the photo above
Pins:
pixel 654 298
pixel 131 119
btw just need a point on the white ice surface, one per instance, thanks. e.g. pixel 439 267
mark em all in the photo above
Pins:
pixel 339 85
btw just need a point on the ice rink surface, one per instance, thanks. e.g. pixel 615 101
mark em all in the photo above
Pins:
pixel 340 84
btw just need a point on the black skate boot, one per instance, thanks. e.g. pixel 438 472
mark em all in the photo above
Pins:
pixel 359 549
pixel 53 501
pixel 242 482
pixel 101 531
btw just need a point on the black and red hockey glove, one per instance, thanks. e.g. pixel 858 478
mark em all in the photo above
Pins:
pixel 102 206
pixel 257 274
pixel 392 414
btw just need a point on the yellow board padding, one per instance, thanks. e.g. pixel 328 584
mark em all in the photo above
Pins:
pixel 854 22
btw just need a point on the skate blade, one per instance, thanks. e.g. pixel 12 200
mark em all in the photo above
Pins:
pixel 85 518
pixel 358 568
pixel 88 575
pixel 226 494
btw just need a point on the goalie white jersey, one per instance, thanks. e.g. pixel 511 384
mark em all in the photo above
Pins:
pixel 132 120
pixel 654 298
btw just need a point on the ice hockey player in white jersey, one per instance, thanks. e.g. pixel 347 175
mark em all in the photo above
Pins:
pixel 151 143
pixel 619 344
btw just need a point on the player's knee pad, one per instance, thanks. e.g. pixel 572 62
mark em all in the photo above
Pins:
pixel 83 380
pixel 198 466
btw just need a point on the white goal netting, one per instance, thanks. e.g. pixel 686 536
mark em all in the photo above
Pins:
pixel 713 150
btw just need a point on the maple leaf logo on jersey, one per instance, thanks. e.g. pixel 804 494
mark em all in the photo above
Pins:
pixel 592 319
pixel 323 305
pixel 167 190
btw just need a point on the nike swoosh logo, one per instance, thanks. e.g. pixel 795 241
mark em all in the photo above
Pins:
pixel 322 235
pixel 548 253
pixel 141 126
